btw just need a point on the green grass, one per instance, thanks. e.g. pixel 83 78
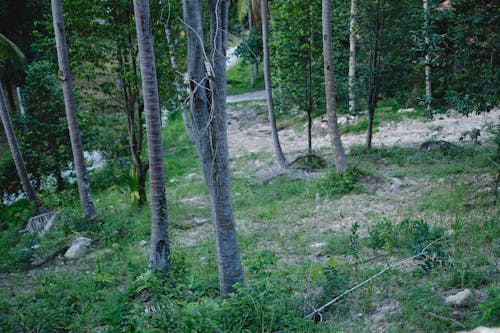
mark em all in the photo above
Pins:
pixel 238 79
pixel 278 222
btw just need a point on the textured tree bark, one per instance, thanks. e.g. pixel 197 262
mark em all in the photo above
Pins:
pixel 17 156
pixel 428 87
pixel 352 57
pixel 159 251
pixel 278 152
pixel 209 125
pixel 340 158
pixel 252 65
pixel 70 106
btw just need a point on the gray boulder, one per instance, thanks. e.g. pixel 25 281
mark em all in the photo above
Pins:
pixel 79 247
pixel 459 298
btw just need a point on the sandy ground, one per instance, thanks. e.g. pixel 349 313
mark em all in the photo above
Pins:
pixel 248 132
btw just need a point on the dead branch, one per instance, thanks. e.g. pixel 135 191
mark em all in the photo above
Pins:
pixel 322 308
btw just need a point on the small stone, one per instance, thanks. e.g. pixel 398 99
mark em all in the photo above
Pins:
pixel 396 183
pixel 199 220
pixel 482 329
pixel 143 243
pixel 410 110
pixel 78 248
pixel 193 176
pixel 342 120
pixel 459 298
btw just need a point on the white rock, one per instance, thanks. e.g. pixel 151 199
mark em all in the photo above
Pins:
pixel 459 298
pixel 78 248
pixel 143 243
pixel 396 183
pixel 410 110
pixel 342 120
pixel 482 329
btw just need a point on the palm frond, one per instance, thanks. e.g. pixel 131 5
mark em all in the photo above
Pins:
pixel 244 6
pixel 10 52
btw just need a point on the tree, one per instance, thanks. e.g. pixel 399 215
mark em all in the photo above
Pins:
pixel 10 51
pixel 428 89
pixel 384 52
pixel 158 255
pixel 250 9
pixel 352 56
pixel 297 53
pixel 70 106
pixel 340 158
pixel 46 132
pixel 465 55
pixel 209 128
pixel 278 152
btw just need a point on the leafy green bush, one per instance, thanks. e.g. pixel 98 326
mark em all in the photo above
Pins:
pixel 382 235
pixel 335 185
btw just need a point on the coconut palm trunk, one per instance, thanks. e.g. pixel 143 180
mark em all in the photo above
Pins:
pixel 278 152
pixel 70 106
pixel 428 87
pixel 340 158
pixel 17 156
pixel 352 57
pixel 209 125
pixel 159 251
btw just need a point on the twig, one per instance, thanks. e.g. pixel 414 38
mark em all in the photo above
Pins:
pixel 317 311
pixel 449 319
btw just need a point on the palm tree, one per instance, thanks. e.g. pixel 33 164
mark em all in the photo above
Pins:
pixel 209 129
pixel 428 87
pixel 70 106
pixel 340 157
pixel 158 255
pixel 278 152
pixel 352 56
pixel 9 51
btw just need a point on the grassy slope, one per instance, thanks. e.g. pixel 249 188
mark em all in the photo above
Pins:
pixel 238 79
pixel 294 243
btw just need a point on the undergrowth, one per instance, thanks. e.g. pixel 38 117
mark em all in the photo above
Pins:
pixel 295 259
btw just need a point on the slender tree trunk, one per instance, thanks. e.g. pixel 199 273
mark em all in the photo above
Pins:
pixel 70 106
pixel 374 69
pixel 428 88
pixel 208 119
pixel 340 158
pixel 252 65
pixel 20 101
pixel 17 156
pixel 159 251
pixel 352 57
pixel 9 86
pixel 278 152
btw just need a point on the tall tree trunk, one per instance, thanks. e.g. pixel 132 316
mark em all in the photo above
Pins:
pixel 70 106
pixel 20 101
pixel 252 65
pixel 209 124
pixel 340 158
pixel 159 251
pixel 428 88
pixel 352 57
pixel 17 156
pixel 374 70
pixel 278 152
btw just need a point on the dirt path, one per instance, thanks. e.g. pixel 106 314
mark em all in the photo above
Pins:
pixel 251 96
